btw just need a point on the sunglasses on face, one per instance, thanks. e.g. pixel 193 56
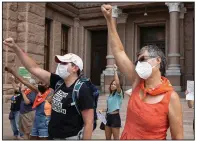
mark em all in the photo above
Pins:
pixel 144 59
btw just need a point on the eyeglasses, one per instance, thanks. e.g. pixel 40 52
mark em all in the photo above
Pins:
pixel 144 59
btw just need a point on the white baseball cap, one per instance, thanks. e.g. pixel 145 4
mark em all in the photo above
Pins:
pixel 70 57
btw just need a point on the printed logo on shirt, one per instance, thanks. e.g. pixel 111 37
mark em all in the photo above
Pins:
pixel 56 102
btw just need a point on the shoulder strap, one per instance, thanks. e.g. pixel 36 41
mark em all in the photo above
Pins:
pixel 58 85
pixel 75 93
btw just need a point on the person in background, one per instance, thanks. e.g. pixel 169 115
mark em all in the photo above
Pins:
pixel 153 106
pixel 27 113
pixel 15 109
pixel 114 102
pixel 190 104
pixel 43 113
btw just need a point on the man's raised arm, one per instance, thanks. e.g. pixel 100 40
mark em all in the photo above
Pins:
pixel 28 62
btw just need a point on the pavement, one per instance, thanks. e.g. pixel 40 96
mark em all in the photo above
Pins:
pixel 188 116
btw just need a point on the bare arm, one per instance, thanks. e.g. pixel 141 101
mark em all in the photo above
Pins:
pixel 122 60
pixel 116 78
pixel 28 62
pixel 175 117
pixel 26 100
pixel 88 118
pixel 22 80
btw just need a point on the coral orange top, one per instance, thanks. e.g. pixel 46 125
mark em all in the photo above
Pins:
pixel 47 108
pixel 146 121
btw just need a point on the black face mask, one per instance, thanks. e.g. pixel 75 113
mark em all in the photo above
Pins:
pixel 42 88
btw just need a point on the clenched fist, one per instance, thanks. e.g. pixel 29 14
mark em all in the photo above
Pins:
pixel 107 11
pixel 10 43
pixel 8 69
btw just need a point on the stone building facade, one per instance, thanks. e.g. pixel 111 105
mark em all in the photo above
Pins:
pixel 46 29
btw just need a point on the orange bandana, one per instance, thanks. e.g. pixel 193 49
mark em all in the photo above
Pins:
pixel 27 91
pixel 160 89
pixel 40 98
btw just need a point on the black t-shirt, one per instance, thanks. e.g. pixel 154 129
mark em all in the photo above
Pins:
pixel 16 101
pixel 65 120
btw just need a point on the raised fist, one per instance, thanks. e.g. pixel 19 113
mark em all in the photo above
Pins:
pixel 8 69
pixel 107 11
pixel 10 43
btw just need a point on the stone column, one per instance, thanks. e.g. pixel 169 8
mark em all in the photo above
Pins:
pixel 173 71
pixel 55 43
pixel 75 36
pixel 81 47
pixel 107 75
pixel 183 10
pixel 121 27
pixel 9 21
pixel 25 23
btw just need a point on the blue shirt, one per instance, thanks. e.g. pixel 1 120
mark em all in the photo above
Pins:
pixel 25 108
pixel 114 102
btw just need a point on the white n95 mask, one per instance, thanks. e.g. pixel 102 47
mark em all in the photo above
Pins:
pixel 144 69
pixel 62 71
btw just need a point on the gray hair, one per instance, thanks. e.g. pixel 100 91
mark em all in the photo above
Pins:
pixel 154 51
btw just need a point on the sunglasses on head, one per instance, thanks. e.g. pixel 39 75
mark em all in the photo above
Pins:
pixel 144 59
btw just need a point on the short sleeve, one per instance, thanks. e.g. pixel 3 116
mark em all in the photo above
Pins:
pixel 53 80
pixel 86 100
pixel 31 97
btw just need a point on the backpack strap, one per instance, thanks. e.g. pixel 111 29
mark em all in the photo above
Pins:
pixel 75 93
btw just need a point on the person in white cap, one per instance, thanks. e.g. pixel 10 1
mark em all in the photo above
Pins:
pixel 65 121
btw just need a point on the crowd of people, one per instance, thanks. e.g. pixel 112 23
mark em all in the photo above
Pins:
pixel 62 106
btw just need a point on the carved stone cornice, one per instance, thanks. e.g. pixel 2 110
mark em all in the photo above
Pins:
pixel 86 4
pixel 173 6
pixel 61 9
